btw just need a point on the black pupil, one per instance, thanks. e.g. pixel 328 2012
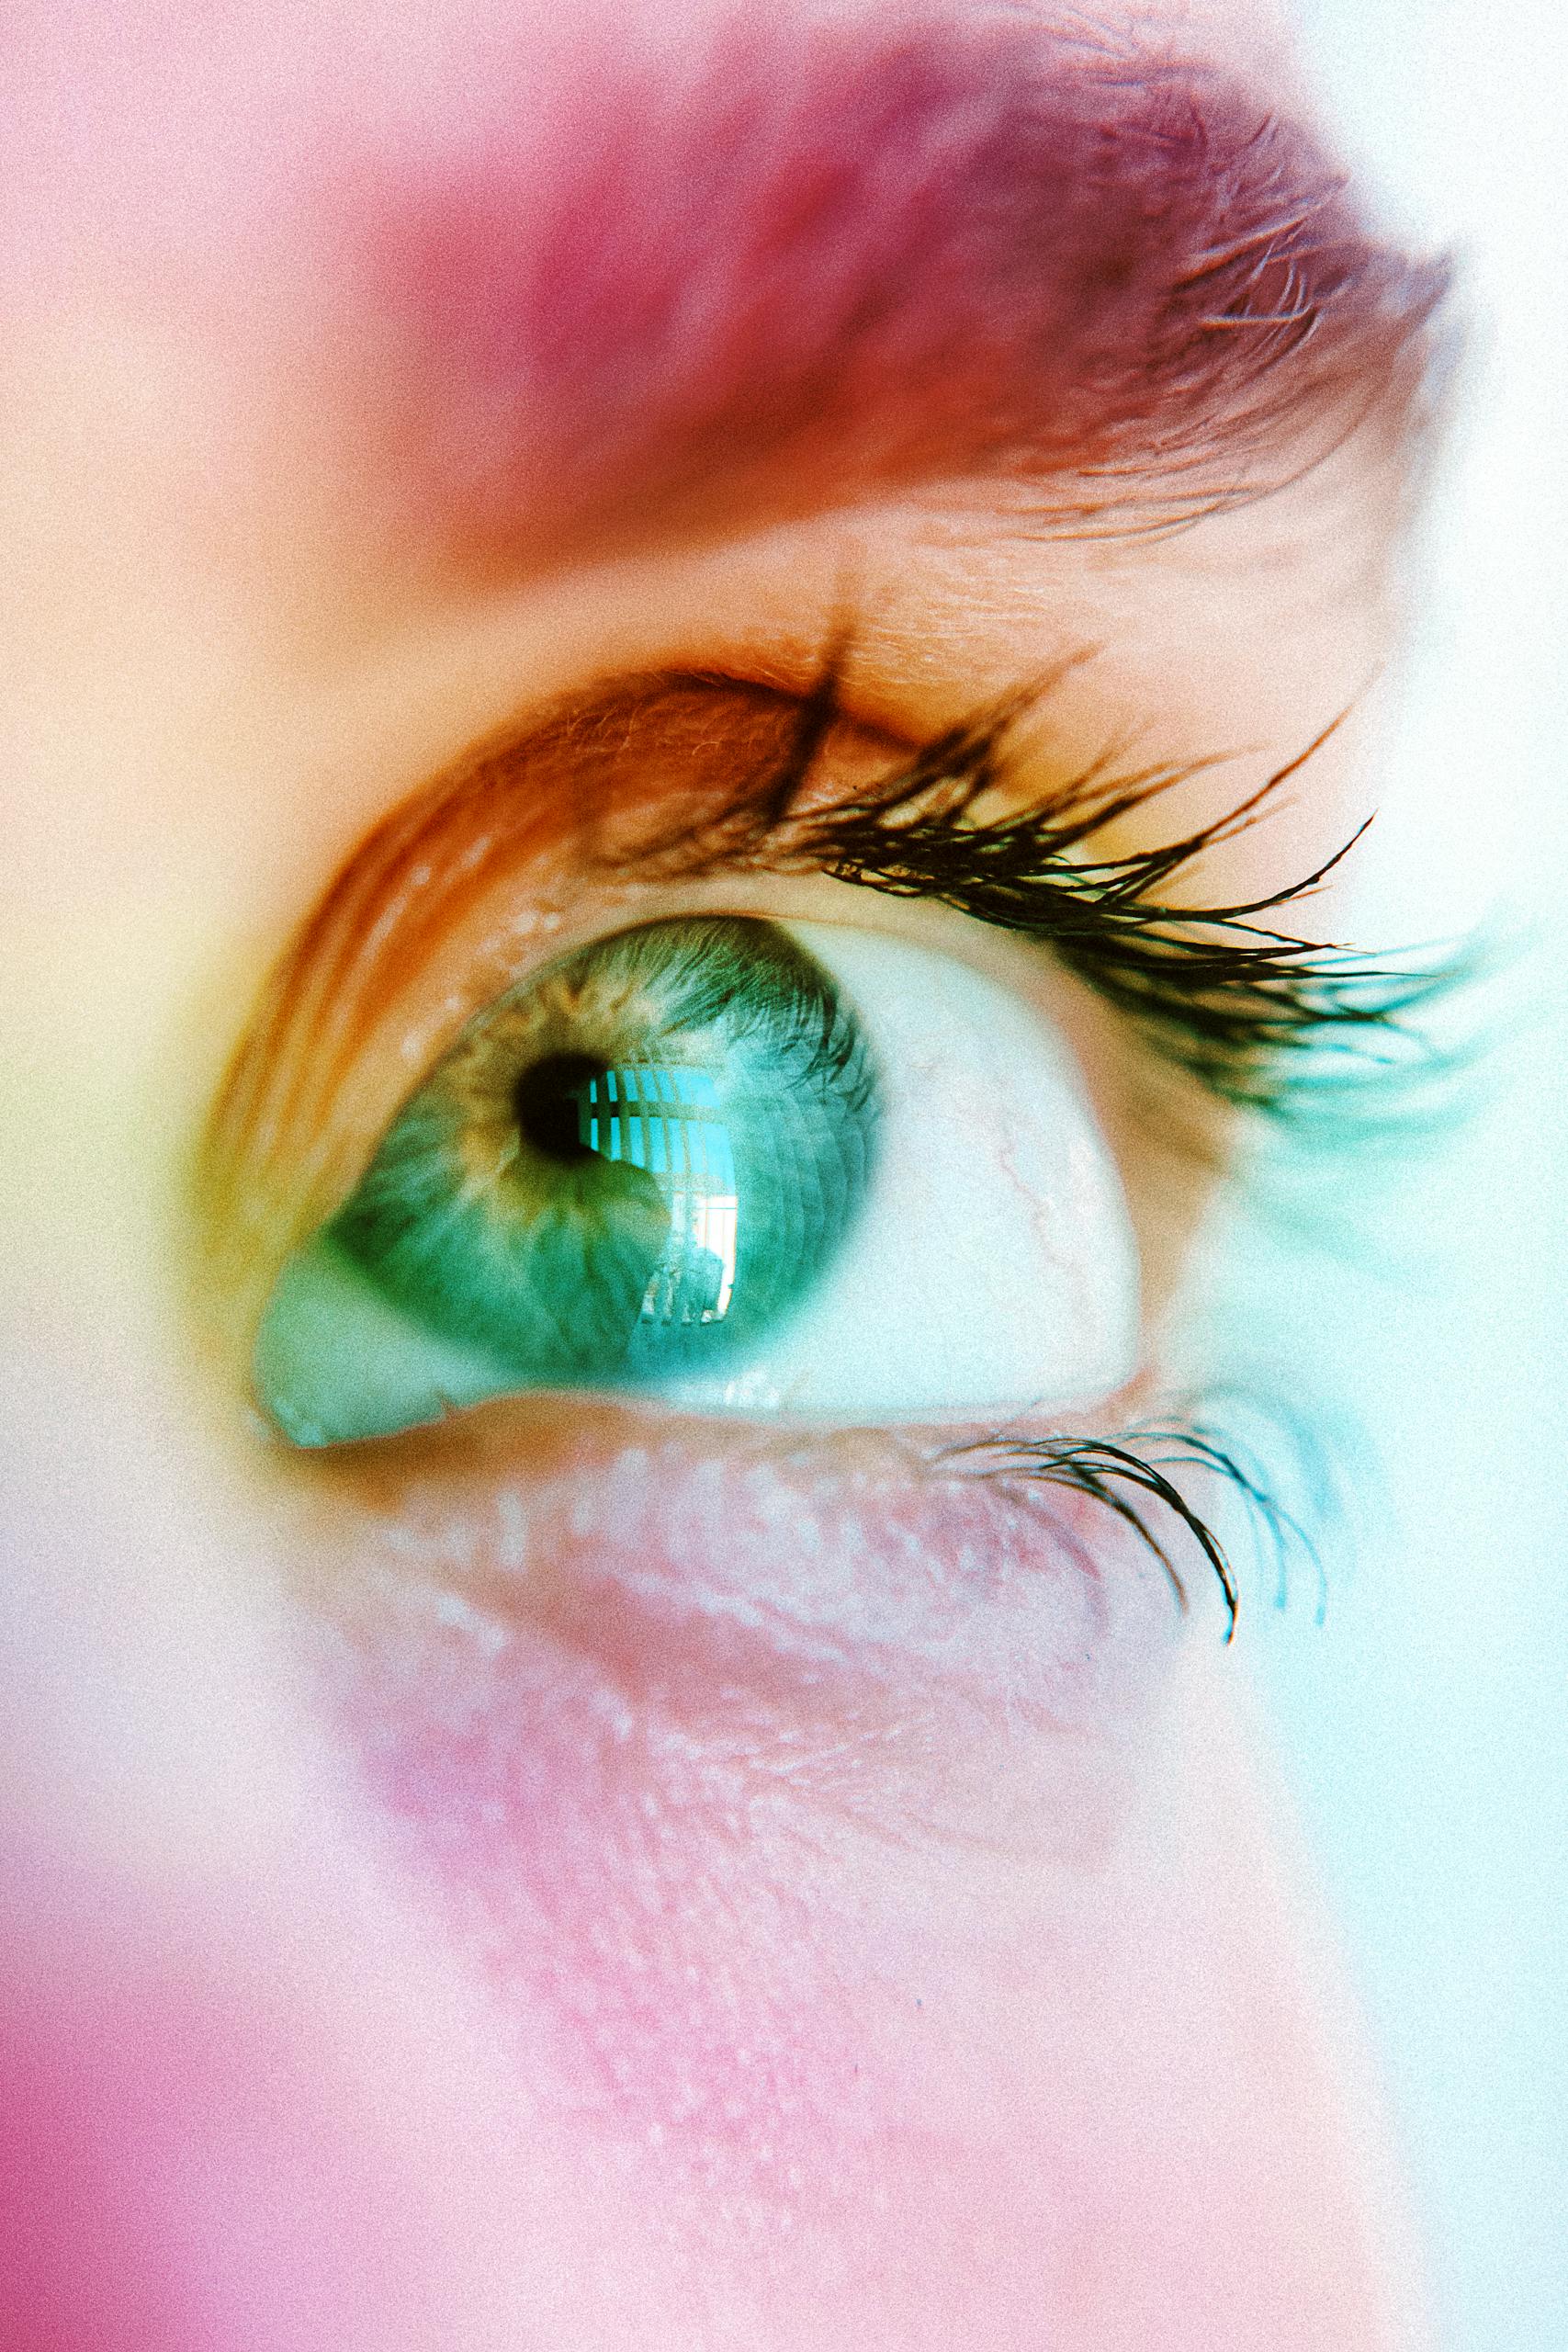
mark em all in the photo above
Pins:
pixel 550 1104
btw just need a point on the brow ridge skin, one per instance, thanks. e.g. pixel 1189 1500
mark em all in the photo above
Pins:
pixel 824 259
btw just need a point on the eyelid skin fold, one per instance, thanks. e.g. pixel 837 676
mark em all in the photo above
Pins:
pixel 536 810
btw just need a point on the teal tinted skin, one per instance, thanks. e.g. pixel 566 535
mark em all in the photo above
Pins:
pixel 629 1171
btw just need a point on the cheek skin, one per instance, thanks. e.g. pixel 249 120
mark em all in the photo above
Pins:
pixel 913 2083
pixel 746 2066
pixel 907 1950
pixel 653 1714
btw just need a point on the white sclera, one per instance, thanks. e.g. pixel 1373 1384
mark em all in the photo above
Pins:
pixel 993 1266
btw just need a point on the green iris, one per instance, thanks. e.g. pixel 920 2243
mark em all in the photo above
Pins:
pixel 627 1172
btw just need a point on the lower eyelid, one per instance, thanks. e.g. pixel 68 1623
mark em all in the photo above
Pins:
pixel 712 1566
pixel 657 1688
pixel 646 1651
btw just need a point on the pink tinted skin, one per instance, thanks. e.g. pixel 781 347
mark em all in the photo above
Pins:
pixel 581 1879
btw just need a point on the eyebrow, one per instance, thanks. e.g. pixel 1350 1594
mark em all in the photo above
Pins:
pixel 833 259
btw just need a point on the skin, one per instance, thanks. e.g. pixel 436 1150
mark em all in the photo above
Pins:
pixel 364 1985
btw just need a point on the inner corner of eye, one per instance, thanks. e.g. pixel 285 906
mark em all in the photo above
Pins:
pixel 733 1167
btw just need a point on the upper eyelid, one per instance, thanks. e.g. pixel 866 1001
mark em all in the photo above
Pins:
pixel 681 740
pixel 555 789
pixel 1221 992
pixel 417 870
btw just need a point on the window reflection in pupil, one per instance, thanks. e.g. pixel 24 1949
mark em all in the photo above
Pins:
pixel 548 1103
pixel 667 1119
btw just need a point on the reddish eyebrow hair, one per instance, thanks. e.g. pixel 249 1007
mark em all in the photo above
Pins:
pixel 837 259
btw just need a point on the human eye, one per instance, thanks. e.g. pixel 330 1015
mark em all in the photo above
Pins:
pixel 792 1086
pixel 734 1166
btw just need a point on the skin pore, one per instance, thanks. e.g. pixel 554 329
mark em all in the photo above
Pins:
pixel 582 1874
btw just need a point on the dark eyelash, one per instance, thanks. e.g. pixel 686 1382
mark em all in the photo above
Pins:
pixel 1130 1475
pixel 1246 1009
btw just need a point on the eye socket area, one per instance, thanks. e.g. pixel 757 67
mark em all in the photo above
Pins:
pixel 733 1166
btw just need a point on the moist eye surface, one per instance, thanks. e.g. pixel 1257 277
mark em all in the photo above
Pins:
pixel 632 1167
